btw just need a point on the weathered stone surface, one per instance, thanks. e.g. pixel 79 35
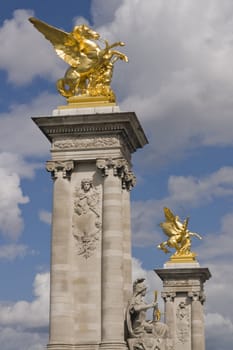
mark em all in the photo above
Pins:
pixel 91 237
pixel 183 293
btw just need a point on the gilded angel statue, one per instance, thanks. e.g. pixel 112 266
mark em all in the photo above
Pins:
pixel 179 237
pixel 90 66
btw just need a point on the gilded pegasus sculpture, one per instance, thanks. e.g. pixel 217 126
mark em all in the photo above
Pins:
pixel 179 237
pixel 90 66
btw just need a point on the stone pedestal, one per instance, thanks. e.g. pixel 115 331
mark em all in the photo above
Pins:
pixel 91 238
pixel 183 293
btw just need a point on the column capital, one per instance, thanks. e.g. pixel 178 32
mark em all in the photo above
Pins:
pixel 60 168
pixel 168 296
pixel 197 296
pixel 120 168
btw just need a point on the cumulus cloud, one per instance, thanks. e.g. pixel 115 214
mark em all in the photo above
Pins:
pixel 28 139
pixel 179 79
pixel 26 314
pixel 24 325
pixel 11 197
pixel 219 244
pixel 12 339
pixel 190 191
pixel 219 331
pixel 18 39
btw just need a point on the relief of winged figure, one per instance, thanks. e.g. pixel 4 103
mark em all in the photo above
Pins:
pixel 179 237
pixel 90 66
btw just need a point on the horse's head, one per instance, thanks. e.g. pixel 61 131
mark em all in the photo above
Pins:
pixel 86 32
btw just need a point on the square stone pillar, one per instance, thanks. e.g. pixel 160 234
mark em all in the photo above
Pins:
pixel 91 237
pixel 183 294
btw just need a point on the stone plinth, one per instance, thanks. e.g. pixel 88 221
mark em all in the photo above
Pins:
pixel 183 293
pixel 91 236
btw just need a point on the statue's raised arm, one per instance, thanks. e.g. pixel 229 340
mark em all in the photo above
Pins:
pixel 91 67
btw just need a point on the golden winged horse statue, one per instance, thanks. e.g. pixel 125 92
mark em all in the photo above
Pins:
pixel 90 66
pixel 179 237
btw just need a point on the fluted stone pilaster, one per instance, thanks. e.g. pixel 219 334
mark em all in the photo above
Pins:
pixel 61 316
pixel 197 319
pixel 112 256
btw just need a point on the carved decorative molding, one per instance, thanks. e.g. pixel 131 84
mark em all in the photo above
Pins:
pixel 87 142
pixel 168 296
pixel 120 168
pixel 64 168
pixel 183 322
pixel 86 222
pixel 197 296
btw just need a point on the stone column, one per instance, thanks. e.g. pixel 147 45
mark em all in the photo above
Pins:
pixel 89 291
pixel 197 319
pixel 184 316
pixel 169 314
pixel 112 256
pixel 128 182
pixel 61 317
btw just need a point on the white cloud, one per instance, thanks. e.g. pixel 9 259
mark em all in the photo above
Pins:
pixel 11 197
pixel 45 216
pixel 17 339
pixel 14 163
pixel 28 140
pixel 18 40
pixel 102 12
pixel 194 190
pixel 12 251
pixel 29 315
pixel 190 191
pixel 179 78
pixel 219 244
pixel 219 320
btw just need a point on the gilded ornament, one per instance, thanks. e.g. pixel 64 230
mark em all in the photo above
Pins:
pixel 88 78
pixel 179 237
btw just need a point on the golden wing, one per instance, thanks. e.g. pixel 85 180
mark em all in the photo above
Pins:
pixel 66 47
pixel 168 226
pixel 169 216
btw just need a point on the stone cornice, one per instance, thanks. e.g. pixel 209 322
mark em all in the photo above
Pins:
pixel 200 273
pixel 125 124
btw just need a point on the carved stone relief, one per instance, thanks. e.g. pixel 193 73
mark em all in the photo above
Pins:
pixel 86 225
pixel 120 168
pixel 183 322
pixel 84 143
pixel 64 168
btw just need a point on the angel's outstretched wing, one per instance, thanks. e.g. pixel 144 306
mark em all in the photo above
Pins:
pixel 64 43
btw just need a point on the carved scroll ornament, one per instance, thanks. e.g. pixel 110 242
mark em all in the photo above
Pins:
pixel 120 168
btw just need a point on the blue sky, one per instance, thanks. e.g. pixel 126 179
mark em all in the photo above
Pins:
pixel 179 81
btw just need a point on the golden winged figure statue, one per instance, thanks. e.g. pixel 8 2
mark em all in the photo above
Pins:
pixel 90 66
pixel 179 237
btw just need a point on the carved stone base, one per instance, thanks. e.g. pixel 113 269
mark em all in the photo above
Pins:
pixel 90 346
pixel 113 346
pixel 183 293
pixel 147 343
pixel 87 101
